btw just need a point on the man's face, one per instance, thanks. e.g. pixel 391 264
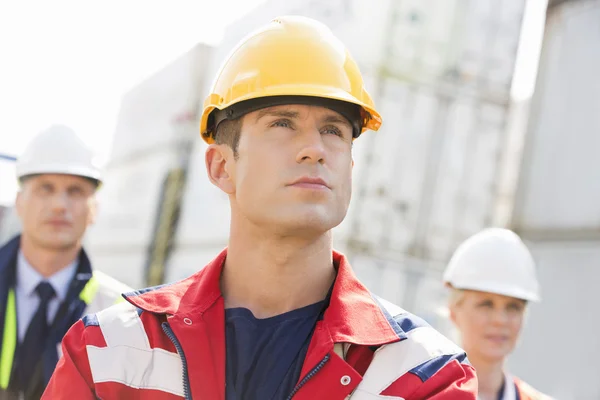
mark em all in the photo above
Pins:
pixel 55 209
pixel 293 172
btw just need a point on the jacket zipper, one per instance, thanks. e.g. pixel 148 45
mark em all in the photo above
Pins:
pixel 187 392
pixel 308 377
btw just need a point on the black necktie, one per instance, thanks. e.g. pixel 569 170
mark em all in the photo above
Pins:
pixel 37 333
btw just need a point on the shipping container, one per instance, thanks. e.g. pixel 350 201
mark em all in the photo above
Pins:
pixel 156 128
pixel 559 193
pixel 557 208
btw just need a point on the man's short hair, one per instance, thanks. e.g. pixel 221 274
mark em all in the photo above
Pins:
pixel 228 132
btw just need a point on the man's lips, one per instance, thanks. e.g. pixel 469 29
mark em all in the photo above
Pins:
pixel 310 183
pixel 58 222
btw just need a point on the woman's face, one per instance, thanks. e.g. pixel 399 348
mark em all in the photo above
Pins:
pixel 489 323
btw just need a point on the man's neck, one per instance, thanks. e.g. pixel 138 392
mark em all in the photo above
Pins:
pixel 490 375
pixel 271 276
pixel 47 261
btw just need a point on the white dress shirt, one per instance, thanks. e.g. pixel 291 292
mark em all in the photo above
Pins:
pixel 27 299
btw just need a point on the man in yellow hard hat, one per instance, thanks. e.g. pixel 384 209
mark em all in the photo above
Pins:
pixel 46 279
pixel 278 314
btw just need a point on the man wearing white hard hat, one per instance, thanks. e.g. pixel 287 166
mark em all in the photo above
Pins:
pixel 492 277
pixel 46 279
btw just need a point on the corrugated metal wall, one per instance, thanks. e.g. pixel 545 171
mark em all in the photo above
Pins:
pixel 427 179
pixel 558 207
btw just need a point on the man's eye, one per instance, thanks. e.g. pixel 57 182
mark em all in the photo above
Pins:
pixel 515 307
pixel 282 123
pixel 75 191
pixel 332 130
pixel 45 188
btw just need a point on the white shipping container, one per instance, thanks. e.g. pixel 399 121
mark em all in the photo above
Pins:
pixel 128 205
pixel 558 210
pixel 156 125
pixel 468 44
pixel 357 23
pixel 559 192
pixel 149 111
pixel 426 180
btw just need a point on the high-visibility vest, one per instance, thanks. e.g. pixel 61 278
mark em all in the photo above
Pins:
pixel 100 292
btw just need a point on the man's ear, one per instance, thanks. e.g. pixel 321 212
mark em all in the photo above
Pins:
pixel 219 165
pixel 93 210
pixel 452 313
pixel 19 202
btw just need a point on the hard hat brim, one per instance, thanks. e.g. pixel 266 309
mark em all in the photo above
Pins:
pixel 372 119
pixel 352 112
pixel 83 172
pixel 497 288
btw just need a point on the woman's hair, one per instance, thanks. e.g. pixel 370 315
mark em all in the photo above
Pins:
pixel 457 295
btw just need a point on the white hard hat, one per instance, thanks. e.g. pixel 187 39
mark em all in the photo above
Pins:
pixel 58 150
pixel 496 261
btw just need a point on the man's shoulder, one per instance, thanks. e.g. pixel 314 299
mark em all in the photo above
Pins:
pixel 123 314
pixel 124 324
pixel 9 249
pixel 420 363
pixel 408 323
pixel 423 350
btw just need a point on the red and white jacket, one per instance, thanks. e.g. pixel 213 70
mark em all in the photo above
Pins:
pixel 169 343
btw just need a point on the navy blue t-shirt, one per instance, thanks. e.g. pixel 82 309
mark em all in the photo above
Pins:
pixel 265 356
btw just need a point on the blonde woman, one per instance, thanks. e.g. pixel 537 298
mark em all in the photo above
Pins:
pixel 492 278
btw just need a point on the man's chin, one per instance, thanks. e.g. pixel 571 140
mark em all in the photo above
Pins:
pixel 59 243
pixel 310 224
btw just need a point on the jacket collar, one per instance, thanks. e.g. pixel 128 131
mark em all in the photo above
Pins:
pixel 8 259
pixel 8 263
pixel 353 316
pixel 28 277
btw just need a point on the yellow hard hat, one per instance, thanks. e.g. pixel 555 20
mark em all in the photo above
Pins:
pixel 292 60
